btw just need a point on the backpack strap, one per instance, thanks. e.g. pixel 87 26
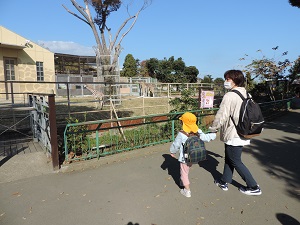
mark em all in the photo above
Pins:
pixel 243 98
pixel 189 134
pixel 239 93
pixel 185 133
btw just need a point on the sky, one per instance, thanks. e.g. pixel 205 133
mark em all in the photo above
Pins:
pixel 213 36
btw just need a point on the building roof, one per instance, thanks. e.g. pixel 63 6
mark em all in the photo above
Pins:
pixel 5 45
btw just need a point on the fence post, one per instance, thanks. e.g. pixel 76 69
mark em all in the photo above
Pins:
pixel 68 94
pixel 53 132
pixel 13 104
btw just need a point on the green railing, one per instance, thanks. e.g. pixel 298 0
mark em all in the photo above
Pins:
pixel 95 139
pixel 274 109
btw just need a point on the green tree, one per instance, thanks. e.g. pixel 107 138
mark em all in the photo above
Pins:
pixel 165 70
pixel 185 102
pixel 207 79
pixel 191 73
pixel 295 70
pixel 171 70
pixel 295 3
pixel 178 65
pixel 250 83
pixel 152 66
pixel 130 66
pixel 142 69
pixel 219 81
pixel 219 86
pixel 295 74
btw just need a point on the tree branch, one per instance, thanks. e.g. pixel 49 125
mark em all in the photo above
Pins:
pixel 124 34
pixel 85 12
pixel 119 31
pixel 74 14
pixel 91 22
pixel 99 32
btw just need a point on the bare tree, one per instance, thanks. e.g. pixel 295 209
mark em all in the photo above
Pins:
pixel 108 47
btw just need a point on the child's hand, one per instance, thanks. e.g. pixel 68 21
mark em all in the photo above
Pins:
pixel 208 137
pixel 173 155
pixel 213 136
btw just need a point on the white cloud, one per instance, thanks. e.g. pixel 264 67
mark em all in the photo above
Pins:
pixel 67 47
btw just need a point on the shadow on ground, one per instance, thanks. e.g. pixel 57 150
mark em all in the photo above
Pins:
pixel 280 156
pixel 285 219
pixel 173 166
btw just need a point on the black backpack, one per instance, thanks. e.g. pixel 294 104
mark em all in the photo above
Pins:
pixel 251 120
pixel 193 149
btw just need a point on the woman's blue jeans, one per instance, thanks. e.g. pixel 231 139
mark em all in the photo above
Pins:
pixel 233 161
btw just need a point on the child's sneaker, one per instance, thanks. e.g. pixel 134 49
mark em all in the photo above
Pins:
pixel 186 193
pixel 222 185
pixel 251 191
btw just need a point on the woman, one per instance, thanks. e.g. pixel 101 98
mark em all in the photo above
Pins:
pixel 230 107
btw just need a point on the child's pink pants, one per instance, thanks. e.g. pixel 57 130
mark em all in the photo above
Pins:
pixel 184 174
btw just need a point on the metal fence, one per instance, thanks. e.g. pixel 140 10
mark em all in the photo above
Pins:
pixel 274 109
pixel 35 121
pixel 104 137
pixel 71 91
pixel 95 139
pixel 43 122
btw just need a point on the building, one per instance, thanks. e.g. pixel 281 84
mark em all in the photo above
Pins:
pixel 22 60
pixel 26 67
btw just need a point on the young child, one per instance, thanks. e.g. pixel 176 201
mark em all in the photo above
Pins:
pixel 188 125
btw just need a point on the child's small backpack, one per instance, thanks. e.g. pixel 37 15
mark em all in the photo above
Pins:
pixel 193 149
pixel 251 119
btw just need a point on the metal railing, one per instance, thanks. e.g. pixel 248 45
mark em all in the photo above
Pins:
pixel 95 139
pixel 274 109
pixel 43 122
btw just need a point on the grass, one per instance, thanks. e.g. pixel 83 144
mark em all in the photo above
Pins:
pixel 83 109
pixel 129 107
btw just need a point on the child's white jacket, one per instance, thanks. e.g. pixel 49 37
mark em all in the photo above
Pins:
pixel 181 138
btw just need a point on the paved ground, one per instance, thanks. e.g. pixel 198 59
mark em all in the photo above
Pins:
pixel 140 187
pixel 23 160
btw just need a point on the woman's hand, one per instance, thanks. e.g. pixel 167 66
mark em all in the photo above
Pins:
pixel 213 129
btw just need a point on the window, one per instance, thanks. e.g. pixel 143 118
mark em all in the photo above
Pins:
pixel 40 71
pixel 10 69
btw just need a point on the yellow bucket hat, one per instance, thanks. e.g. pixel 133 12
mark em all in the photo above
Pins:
pixel 189 122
